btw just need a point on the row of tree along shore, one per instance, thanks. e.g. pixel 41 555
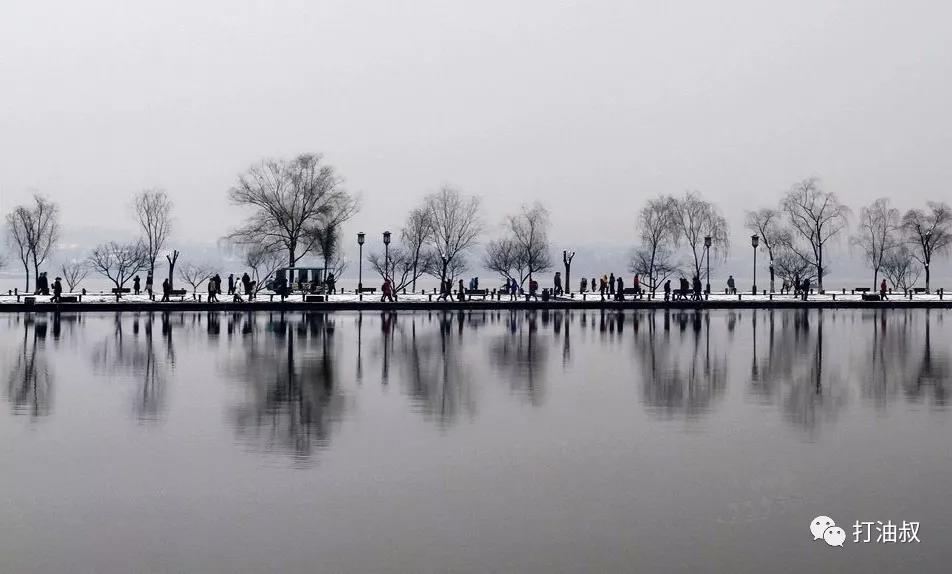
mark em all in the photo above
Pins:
pixel 296 209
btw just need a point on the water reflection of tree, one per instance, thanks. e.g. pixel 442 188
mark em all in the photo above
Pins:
pixel 133 350
pixel 293 400
pixel 902 358
pixel 432 360
pixel 790 366
pixel 681 372
pixel 520 355
pixel 30 379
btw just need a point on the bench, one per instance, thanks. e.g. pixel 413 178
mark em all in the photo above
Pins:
pixel 69 299
pixel 117 291
pixel 481 293
pixel 313 298
pixel 29 300
pixel 633 291
pixel 370 290
pixel 918 290
pixel 861 290
pixel 867 297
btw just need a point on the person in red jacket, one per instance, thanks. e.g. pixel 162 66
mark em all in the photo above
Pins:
pixel 387 290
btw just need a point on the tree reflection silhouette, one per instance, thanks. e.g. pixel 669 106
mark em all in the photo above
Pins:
pixel 293 399
pixel 30 379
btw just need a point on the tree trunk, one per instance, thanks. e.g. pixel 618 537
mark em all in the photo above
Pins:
pixel 26 271
pixel 927 276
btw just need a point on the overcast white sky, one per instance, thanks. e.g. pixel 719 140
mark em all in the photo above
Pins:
pixel 587 106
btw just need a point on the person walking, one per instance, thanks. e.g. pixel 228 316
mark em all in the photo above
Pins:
pixel 231 283
pixel 637 286
pixel 611 284
pixel 135 284
pixel 882 290
pixel 331 283
pixel 582 285
pixel 731 289
pixel 557 284
pixel 212 296
pixel 387 290
pixel 697 288
pixel 805 288
pixel 461 294
pixel 620 290
pixel 603 286
pixel 57 290
pixel 148 285
pixel 166 289
pixel 246 284
pixel 667 290
pixel 593 285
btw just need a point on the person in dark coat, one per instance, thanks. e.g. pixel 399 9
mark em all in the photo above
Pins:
pixel 231 283
pixel 697 288
pixel 135 285
pixel 611 284
pixel 461 293
pixel 57 290
pixel 805 288
pixel 166 289
pixel 667 290
pixel 882 290
pixel 620 290
pixel 593 285
pixel 246 283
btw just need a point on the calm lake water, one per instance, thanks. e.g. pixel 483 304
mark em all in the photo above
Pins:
pixel 484 441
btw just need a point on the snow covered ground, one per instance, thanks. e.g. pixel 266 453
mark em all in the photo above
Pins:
pixel 829 296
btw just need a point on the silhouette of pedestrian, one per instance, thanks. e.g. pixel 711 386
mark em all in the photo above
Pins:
pixel 231 283
pixel 882 290
pixel 620 291
pixel 730 285
pixel 148 284
pixel 57 290
pixel 387 290
pixel 805 288
pixel 697 288
pixel 593 285
pixel 461 294
pixel 611 284
pixel 667 290
pixel 135 285
pixel 166 290
pixel 557 284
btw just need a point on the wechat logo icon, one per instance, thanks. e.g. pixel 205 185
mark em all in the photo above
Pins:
pixel 823 528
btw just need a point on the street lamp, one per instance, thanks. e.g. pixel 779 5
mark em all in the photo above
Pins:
pixel 360 261
pixel 707 248
pixel 386 257
pixel 754 241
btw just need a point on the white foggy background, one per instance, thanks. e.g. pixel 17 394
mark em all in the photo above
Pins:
pixel 589 107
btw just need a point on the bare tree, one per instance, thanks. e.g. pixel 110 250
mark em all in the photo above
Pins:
pixel 172 258
pixel 454 228
pixel 790 264
pixel 263 261
pixel 195 274
pixel 33 231
pixel 902 268
pixel 530 231
pixel 694 219
pixel 567 263
pixel 653 259
pixel 815 217
pixel 292 202
pixel 929 233
pixel 767 223
pixel 74 272
pixel 119 262
pixel 414 236
pixel 504 256
pixel 154 213
pixel 402 270
pixel 877 234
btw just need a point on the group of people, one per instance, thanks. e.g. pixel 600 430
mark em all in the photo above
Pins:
pixel 611 287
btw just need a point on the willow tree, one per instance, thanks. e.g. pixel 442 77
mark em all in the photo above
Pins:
pixel 293 204
pixel 455 226
pixel 695 219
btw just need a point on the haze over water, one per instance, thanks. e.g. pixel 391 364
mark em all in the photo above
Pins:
pixel 483 441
